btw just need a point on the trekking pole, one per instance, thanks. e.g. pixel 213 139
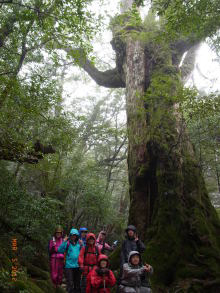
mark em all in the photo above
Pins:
pixel 104 285
pixel 55 267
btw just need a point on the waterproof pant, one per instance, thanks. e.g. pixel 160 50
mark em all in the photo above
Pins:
pixel 83 284
pixel 56 270
pixel 73 280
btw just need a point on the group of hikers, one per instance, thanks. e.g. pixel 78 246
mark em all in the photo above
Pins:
pixel 87 266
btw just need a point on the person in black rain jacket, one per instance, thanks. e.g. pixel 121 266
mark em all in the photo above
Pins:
pixel 131 243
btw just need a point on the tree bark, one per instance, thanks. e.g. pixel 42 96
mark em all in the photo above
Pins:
pixel 135 71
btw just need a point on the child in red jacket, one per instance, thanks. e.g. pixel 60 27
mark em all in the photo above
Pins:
pixel 100 279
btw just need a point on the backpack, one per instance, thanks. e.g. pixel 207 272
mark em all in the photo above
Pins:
pixel 96 252
pixel 103 247
pixel 66 251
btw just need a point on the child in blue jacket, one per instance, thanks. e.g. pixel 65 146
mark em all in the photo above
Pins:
pixel 71 248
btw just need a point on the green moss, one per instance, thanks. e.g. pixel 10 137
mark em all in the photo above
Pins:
pixel 183 243
pixel 129 18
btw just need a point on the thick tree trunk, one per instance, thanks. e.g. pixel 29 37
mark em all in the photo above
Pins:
pixel 135 72
pixel 169 202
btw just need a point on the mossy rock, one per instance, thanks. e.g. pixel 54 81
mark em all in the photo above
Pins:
pixel 36 272
pixel 27 285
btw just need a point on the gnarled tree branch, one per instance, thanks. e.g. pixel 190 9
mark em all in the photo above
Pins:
pixel 110 78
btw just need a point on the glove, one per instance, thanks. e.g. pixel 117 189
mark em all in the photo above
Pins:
pixel 99 272
pixel 115 243
pixel 105 271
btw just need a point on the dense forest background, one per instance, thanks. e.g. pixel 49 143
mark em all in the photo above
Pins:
pixel 63 140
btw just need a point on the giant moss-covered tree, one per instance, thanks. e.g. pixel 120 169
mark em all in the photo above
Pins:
pixel 169 202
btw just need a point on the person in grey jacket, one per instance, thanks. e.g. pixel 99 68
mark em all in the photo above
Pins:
pixel 131 243
pixel 135 276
